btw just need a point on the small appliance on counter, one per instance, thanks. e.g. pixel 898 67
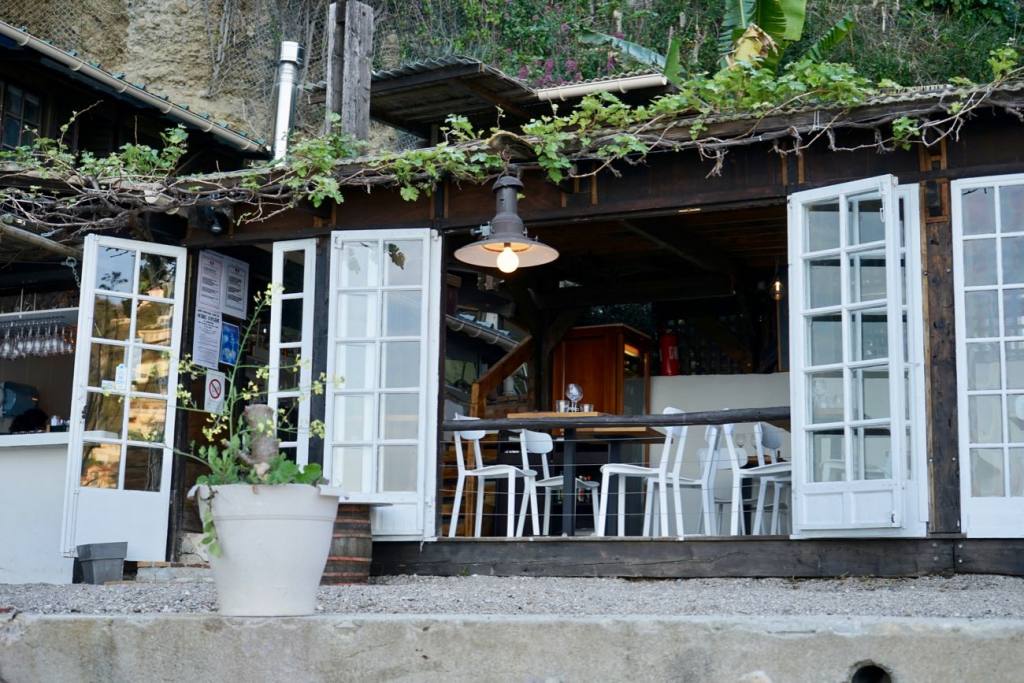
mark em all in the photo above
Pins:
pixel 16 398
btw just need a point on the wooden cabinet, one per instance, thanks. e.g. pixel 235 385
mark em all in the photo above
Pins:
pixel 612 363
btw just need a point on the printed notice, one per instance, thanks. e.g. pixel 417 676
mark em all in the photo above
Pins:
pixel 210 287
pixel 206 338
pixel 236 287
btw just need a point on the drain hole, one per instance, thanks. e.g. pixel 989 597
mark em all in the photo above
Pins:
pixel 870 673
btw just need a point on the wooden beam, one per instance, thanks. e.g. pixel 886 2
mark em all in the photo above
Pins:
pixel 692 254
pixel 9 231
pixel 350 52
pixel 684 290
pixel 669 558
pixel 488 96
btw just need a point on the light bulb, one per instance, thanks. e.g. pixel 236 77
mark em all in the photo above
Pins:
pixel 508 261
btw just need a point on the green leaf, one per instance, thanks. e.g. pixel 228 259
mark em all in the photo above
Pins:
pixel 738 15
pixel 634 51
pixel 409 193
pixel 783 20
pixel 820 48
pixel 672 70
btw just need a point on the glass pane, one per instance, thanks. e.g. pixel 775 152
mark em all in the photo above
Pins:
pixel 357 315
pixel 1013 260
pixel 403 262
pixel 398 468
pixel 12 132
pixel 146 419
pixel 115 269
pixel 823 283
pixel 354 365
pixel 153 322
pixel 353 418
pixel 13 100
pixel 871 393
pixel 402 313
pixel 979 262
pixel 101 463
pixel 291 320
pixel 288 419
pixel 104 416
pixel 156 275
pixel 865 218
pixel 360 265
pixel 401 365
pixel 1015 418
pixel 104 360
pixel 979 211
pixel 150 370
pixel 1013 312
pixel 984 416
pixel 827 462
pixel 872 453
pixel 826 394
pixel 142 468
pixel 826 333
pixel 983 366
pixel 1015 365
pixel 350 462
pixel 982 314
pixel 1011 208
pixel 1016 472
pixel 32 110
pixel 822 226
pixel 289 370
pixel 867 276
pixel 870 334
pixel 986 472
pixel 400 416
pixel 294 271
pixel 111 317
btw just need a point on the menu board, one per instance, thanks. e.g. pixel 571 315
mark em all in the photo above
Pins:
pixel 223 284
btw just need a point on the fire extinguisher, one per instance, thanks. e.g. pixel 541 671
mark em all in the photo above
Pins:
pixel 669 353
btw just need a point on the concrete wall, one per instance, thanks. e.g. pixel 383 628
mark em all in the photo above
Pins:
pixel 476 648
pixel 31 509
pixel 715 392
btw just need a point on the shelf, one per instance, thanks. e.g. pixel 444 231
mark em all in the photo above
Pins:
pixel 64 315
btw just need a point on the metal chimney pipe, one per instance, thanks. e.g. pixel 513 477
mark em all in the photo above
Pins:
pixel 287 75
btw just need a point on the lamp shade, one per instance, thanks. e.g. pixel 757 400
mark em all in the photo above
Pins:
pixel 507 233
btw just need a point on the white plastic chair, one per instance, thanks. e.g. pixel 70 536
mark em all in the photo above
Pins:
pixel 708 466
pixel 540 443
pixel 657 479
pixel 775 471
pixel 484 474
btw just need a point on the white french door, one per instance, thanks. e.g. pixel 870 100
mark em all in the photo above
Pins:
pixel 383 373
pixel 293 278
pixel 988 272
pixel 856 352
pixel 124 396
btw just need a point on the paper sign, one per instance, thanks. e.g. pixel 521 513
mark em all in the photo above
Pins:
pixel 206 338
pixel 216 387
pixel 210 287
pixel 228 343
pixel 236 288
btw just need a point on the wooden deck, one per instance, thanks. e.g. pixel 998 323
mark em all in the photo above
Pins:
pixel 700 557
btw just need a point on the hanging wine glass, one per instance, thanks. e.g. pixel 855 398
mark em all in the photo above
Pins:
pixel 574 393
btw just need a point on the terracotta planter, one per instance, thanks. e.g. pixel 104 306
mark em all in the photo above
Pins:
pixel 274 544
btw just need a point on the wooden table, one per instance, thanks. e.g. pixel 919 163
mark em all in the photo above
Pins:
pixel 572 435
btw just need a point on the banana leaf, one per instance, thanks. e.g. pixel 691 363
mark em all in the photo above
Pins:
pixel 634 51
pixel 738 15
pixel 828 42
pixel 783 20
pixel 672 69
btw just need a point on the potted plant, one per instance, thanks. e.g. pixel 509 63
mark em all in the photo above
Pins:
pixel 266 522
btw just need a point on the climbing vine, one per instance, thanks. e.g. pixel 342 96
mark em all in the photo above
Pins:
pixel 52 191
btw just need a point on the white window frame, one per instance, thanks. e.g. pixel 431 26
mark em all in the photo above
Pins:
pixel 302 392
pixel 95 514
pixel 424 498
pixel 982 517
pixel 908 495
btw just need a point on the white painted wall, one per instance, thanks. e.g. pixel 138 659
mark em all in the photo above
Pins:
pixel 715 392
pixel 32 473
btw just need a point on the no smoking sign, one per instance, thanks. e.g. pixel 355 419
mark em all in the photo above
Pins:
pixel 214 398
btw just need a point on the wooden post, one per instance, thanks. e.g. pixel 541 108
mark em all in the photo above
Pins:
pixel 349 57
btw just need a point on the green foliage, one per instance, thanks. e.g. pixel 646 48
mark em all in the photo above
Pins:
pixel 827 43
pixel 1003 60
pixel 905 130
pixel 999 11
pixel 637 53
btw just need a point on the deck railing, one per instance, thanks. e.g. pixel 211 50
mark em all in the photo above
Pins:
pixel 571 421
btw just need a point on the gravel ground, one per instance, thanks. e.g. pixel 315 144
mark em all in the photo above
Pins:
pixel 958 596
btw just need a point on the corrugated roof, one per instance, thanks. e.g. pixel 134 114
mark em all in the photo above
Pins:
pixel 137 91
